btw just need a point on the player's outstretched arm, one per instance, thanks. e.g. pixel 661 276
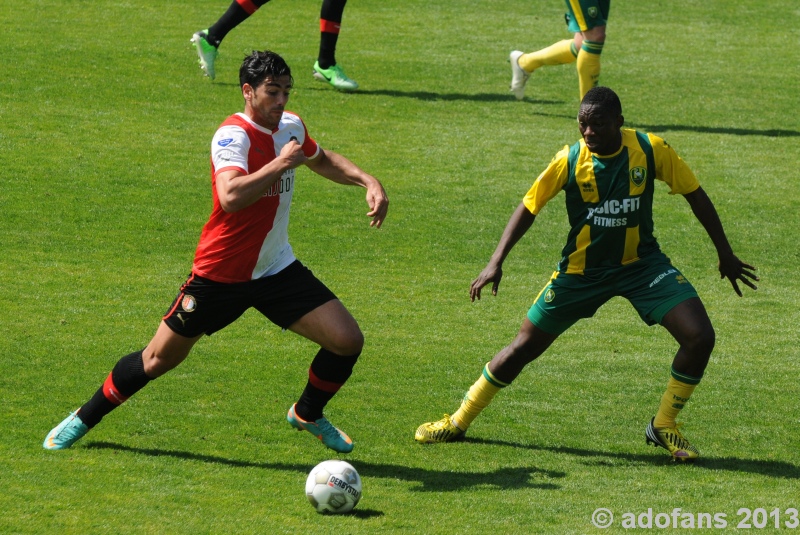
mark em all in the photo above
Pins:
pixel 521 220
pixel 339 169
pixel 730 266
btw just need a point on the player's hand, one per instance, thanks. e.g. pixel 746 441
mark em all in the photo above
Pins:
pixel 735 270
pixel 292 154
pixel 378 203
pixel 491 273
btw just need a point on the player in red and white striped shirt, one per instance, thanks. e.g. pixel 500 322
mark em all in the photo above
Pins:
pixel 244 260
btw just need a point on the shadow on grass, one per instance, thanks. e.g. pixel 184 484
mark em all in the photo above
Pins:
pixel 428 480
pixel 431 96
pixel 777 469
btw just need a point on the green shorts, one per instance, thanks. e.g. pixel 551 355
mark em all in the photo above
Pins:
pixel 652 285
pixel 584 15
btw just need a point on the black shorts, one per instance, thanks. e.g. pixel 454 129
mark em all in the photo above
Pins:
pixel 205 306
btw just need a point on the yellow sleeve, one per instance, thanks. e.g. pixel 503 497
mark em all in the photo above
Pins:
pixel 549 183
pixel 671 168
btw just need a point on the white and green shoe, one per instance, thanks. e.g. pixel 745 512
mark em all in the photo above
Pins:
pixel 206 52
pixel 66 433
pixel 335 76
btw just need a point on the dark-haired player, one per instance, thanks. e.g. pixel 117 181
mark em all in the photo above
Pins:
pixel 243 260
pixel 608 179
pixel 325 69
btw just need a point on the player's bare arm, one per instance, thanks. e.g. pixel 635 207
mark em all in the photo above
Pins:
pixel 521 220
pixel 339 169
pixel 730 267
pixel 236 190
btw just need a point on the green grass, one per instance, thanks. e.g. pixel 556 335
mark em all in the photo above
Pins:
pixel 106 122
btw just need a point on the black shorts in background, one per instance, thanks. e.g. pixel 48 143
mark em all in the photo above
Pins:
pixel 204 306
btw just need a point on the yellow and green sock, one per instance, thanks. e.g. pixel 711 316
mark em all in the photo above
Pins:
pixel 589 65
pixel 679 389
pixel 477 398
pixel 557 54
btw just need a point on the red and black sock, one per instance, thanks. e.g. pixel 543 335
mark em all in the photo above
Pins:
pixel 238 11
pixel 330 21
pixel 125 380
pixel 327 374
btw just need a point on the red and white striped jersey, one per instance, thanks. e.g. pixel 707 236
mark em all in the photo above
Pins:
pixel 252 242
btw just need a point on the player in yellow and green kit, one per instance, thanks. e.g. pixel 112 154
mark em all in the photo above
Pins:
pixel 608 179
pixel 586 19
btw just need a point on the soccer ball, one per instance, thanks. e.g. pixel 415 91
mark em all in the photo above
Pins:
pixel 333 487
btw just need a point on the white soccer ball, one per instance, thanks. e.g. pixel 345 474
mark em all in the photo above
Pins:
pixel 333 487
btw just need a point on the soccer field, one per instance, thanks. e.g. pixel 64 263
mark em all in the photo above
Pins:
pixel 106 125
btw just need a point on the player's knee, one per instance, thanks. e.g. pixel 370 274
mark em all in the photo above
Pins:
pixel 701 341
pixel 347 342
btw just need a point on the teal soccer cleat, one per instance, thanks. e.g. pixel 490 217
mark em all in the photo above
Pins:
pixel 66 433
pixel 332 437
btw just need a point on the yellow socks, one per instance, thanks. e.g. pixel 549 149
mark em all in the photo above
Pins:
pixel 588 65
pixel 478 397
pixel 557 54
pixel 679 390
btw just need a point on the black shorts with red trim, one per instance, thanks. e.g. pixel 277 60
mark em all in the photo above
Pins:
pixel 204 306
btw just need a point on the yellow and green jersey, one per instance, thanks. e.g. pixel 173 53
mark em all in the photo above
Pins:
pixel 609 199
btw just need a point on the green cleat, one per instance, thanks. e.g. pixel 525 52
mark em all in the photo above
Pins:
pixel 443 430
pixel 66 433
pixel 206 52
pixel 332 437
pixel 335 76
pixel 671 440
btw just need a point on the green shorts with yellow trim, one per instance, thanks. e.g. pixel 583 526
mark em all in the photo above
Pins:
pixel 584 15
pixel 652 285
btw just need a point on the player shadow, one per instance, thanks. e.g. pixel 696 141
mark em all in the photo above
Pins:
pixel 776 469
pixel 772 132
pixel 427 480
pixel 431 96
pixel 657 128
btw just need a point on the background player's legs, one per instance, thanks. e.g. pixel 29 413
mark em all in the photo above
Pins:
pixel 237 12
pixel 562 52
pixel 325 68
pixel 330 22
pixel 589 45
pixel 206 42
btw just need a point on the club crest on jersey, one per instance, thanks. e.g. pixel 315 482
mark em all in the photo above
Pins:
pixel 225 142
pixel 592 12
pixel 549 295
pixel 638 175
pixel 188 303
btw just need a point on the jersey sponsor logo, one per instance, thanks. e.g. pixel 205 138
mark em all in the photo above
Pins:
pixel 609 221
pixel 225 142
pixel 638 175
pixel 284 185
pixel 614 207
pixel 188 303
